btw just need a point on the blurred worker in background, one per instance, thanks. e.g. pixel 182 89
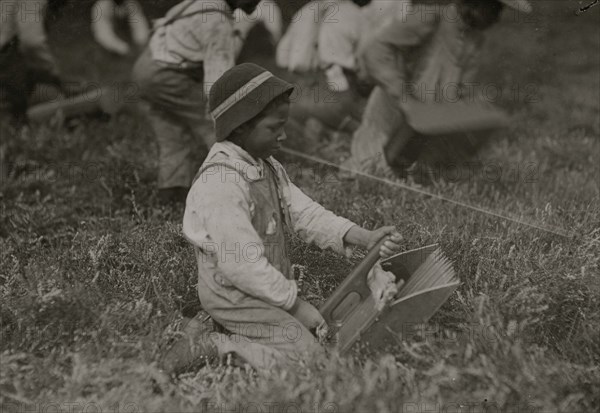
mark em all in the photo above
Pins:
pixel 25 57
pixel 190 48
pixel 322 41
pixel 107 13
pixel 339 35
pixel 426 53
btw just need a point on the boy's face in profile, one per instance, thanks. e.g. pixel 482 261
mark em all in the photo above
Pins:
pixel 265 138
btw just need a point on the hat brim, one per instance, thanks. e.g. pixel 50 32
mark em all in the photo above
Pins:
pixel 250 105
pixel 520 5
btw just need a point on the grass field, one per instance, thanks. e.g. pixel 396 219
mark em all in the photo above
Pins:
pixel 93 270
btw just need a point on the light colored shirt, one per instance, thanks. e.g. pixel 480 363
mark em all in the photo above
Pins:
pixel 198 37
pixel 421 51
pixel 24 19
pixel 298 49
pixel 339 35
pixel 377 12
pixel 218 222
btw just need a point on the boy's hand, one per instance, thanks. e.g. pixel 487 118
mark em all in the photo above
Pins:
pixel 391 246
pixel 382 285
pixel 308 315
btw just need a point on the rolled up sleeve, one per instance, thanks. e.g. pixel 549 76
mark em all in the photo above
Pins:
pixel 217 220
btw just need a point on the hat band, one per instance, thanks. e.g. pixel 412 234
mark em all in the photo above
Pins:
pixel 244 90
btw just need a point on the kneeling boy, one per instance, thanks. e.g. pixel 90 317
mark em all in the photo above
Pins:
pixel 239 212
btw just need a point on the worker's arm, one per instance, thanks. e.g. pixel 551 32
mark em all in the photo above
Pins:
pixel 368 239
pixel 103 16
pixel 315 224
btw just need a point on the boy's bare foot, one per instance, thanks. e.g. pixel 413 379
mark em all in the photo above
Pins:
pixel 193 348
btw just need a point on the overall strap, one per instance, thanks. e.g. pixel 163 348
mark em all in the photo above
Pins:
pixel 211 164
pixel 282 203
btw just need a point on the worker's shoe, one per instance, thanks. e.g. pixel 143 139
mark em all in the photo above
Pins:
pixel 193 348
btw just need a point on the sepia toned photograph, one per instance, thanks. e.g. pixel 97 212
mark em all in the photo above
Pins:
pixel 300 206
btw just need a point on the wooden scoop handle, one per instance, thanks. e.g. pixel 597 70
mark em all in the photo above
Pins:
pixel 354 284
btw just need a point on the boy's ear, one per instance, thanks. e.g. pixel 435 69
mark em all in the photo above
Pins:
pixel 245 128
